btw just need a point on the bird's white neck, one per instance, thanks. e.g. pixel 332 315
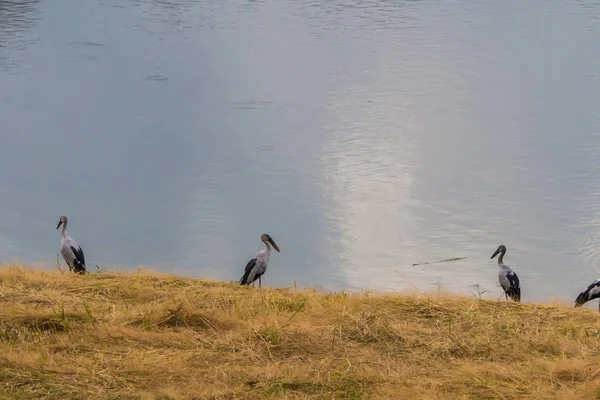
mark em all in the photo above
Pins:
pixel 268 246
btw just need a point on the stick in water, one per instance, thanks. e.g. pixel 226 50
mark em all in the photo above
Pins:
pixel 441 261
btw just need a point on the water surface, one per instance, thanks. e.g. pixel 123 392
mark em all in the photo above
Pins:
pixel 364 136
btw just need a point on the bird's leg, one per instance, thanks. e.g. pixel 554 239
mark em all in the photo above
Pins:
pixel 506 295
pixel 253 283
pixel 259 282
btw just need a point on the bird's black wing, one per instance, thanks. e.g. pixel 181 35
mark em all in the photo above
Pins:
pixel 592 292
pixel 79 259
pixel 249 267
pixel 514 291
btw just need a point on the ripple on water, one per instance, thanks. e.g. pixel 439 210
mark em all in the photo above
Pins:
pixel 590 255
pixel 86 43
pixel 156 78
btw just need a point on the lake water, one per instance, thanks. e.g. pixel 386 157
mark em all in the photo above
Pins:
pixel 364 136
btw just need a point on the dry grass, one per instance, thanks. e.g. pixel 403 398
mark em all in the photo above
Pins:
pixel 151 336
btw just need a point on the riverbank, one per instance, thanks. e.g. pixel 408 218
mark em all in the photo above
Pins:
pixel 146 335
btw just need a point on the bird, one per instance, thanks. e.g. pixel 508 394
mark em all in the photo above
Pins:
pixel 257 267
pixel 70 250
pixel 592 292
pixel 507 277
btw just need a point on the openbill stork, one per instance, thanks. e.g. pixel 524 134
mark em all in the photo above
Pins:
pixel 592 292
pixel 257 267
pixel 70 250
pixel 507 277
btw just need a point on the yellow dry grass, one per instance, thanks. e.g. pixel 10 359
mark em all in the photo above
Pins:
pixel 151 336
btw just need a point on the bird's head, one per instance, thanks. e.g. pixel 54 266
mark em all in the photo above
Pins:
pixel 500 249
pixel 62 220
pixel 265 238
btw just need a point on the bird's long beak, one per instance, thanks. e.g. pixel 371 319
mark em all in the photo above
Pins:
pixel 495 254
pixel 59 224
pixel 274 245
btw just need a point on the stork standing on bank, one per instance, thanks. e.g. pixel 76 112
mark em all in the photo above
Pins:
pixel 591 293
pixel 70 250
pixel 257 267
pixel 507 277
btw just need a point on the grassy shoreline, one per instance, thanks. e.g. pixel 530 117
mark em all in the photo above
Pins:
pixel 151 336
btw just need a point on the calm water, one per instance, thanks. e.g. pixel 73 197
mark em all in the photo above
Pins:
pixel 364 136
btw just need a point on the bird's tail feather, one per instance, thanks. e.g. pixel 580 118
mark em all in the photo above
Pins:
pixel 514 294
pixel 78 267
pixel 244 280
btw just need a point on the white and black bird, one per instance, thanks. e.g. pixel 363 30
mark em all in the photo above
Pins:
pixel 257 267
pixel 70 250
pixel 592 292
pixel 507 277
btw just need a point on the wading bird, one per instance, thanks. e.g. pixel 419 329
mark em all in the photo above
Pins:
pixel 70 250
pixel 591 293
pixel 256 267
pixel 507 277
